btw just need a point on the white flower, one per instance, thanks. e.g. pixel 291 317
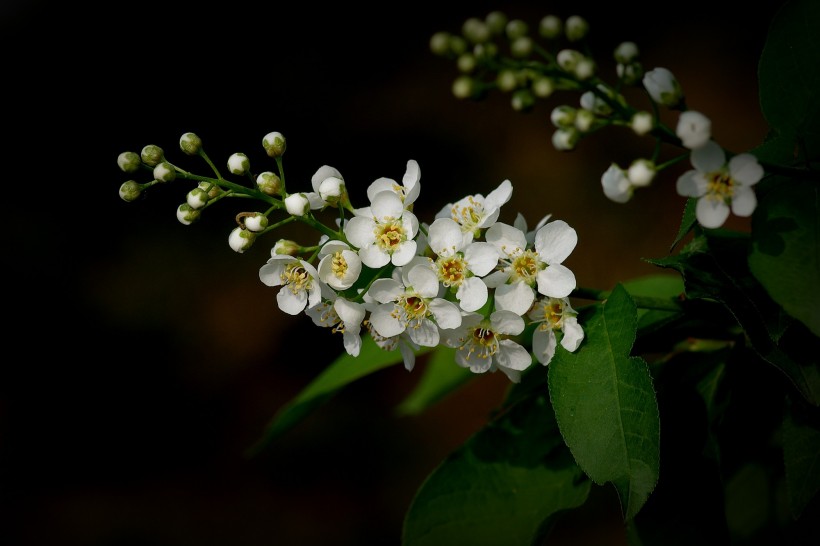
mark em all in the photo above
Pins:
pixel 339 266
pixel 523 268
pixel 521 223
pixel 694 129
pixel 387 235
pixel 554 315
pixel 720 186
pixel 402 341
pixel 345 317
pixel 459 266
pixel 476 212
pixel 412 305
pixel 482 344
pixel 328 184
pixel 663 87
pixel 408 191
pixel 299 281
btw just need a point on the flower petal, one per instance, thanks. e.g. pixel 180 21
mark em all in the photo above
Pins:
pixel 556 281
pixel 744 201
pixel 516 297
pixel 555 241
pixel 711 213
pixel 543 345
pixel 708 158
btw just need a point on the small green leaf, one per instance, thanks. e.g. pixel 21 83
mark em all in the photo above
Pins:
pixel 342 371
pixel 506 485
pixel 441 377
pixel 801 456
pixel 605 404
pixel 687 222
pixel 785 255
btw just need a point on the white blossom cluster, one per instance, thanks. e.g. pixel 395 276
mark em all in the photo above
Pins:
pixel 466 281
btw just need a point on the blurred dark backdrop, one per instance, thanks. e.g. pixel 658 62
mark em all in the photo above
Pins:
pixel 143 356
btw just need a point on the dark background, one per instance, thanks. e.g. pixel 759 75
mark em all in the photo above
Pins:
pixel 143 357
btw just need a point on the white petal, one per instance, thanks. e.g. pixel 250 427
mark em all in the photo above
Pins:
pixel 481 258
pixel 516 297
pixel 745 169
pixel 379 185
pixel 446 313
pixel 359 231
pixel 507 239
pixel 423 280
pixel 444 236
pixel 616 185
pixel 373 256
pixel 507 323
pixel 351 313
pixel 425 333
pixel 711 213
pixel 556 281
pixel 744 201
pixel 290 302
pixel 402 254
pixel 708 158
pixel 472 294
pixel 513 356
pixel 573 334
pixel 386 205
pixel 499 196
pixel 408 356
pixel 496 279
pixel 411 182
pixel 383 321
pixel 323 172
pixel 555 241
pixel 352 343
pixel 271 273
pixel 543 345
pixel 686 185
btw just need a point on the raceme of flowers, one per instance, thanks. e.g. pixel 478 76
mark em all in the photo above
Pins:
pixel 466 281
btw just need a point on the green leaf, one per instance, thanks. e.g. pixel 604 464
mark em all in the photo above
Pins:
pixel 605 404
pixel 714 267
pixel 506 485
pixel 789 76
pixel 687 222
pixel 441 377
pixel 661 286
pixel 342 371
pixel 785 255
pixel 801 456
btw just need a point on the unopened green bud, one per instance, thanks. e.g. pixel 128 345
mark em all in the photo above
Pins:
pixel 485 51
pixel 642 122
pixel 496 21
pixel 475 30
pixel 241 240
pixel 516 28
pixel 563 116
pixel 521 46
pixel 256 222
pixel 631 73
pixel 565 139
pixel 464 87
pixel 274 144
pixel 164 172
pixel 584 119
pixel 186 214
pixel 190 143
pixel 197 198
pixel 151 155
pixel 576 28
pixel 458 45
pixel 239 163
pixel 568 59
pixel 440 43
pixel 129 162
pixel 585 68
pixel 626 52
pixel 543 87
pixel 269 183
pixel 286 247
pixel 212 189
pixel 522 100
pixel 130 191
pixel 550 27
pixel 466 62
pixel 507 80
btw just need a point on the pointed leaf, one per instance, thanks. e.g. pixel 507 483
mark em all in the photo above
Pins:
pixel 441 377
pixel 342 371
pixel 605 404
pixel 506 485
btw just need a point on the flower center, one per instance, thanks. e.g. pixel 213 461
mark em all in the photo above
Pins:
pixel 720 186
pixel 296 277
pixel 483 343
pixel 452 271
pixel 338 265
pixel 468 215
pixel 413 308
pixel 525 267
pixel 389 235
pixel 553 315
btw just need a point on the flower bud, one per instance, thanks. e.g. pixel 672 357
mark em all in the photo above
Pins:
pixel 496 21
pixel 565 139
pixel 507 80
pixel 186 214
pixel 274 144
pixel 285 246
pixel 151 155
pixel 197 198
pixel 297 204
pixel 130 191
pixel 522 100
pixel 164 172
pixel 212 189
pixel 521 46
pixel 568 59
pixel 584 119
pixel 626 52
pixel 550 27
pixel 630 73
pixel 256 222
pixel 585 68
pixel 458 44
pixel 128 162
pixel 331 190
pixel 641 172
pixel 464 87
pixel 241 239
pixel 543 87
pixel 190 143
pixel 616 185
pixel 642 123
pixel 269 183
pixel 239 163
pixel 516 28
pixel 662 86
pixel 440 43
pixel 485 51
pixel 466 62
pixel 475 30
pixel 694 129
pixel 576 28
pixel 563 116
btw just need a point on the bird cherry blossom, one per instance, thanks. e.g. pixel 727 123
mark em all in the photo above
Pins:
pixel 299 282
pixel 554 315
pixel 344 317
pixel 476 212
pixel 387 234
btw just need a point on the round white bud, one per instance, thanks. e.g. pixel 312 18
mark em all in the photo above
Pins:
pixel 239 163
pixel 641 172
pixel 256 223
pixel 129 162
pixel 297 204
pixel 240 239
pixel 274 144
pixel 164 172
pixel 151 155
pixel 190 143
